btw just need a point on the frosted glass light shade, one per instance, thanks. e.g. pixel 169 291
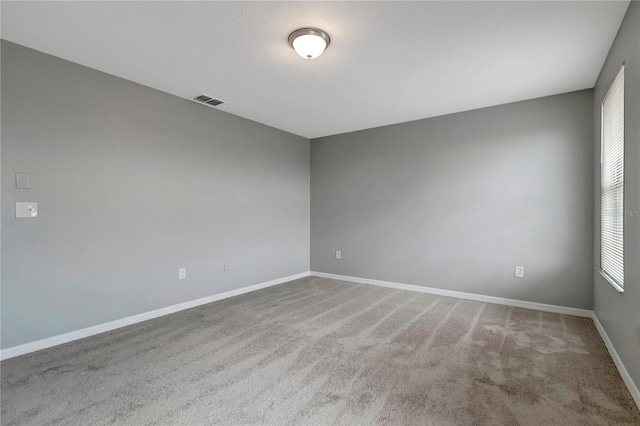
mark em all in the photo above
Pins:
pixel 309 43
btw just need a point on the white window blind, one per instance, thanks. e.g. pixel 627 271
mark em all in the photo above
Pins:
pixel 612 184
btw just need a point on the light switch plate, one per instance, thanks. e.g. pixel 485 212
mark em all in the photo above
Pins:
pixel 23 180
pixel 27 210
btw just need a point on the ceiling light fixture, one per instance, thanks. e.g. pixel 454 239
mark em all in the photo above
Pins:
pixel 309 43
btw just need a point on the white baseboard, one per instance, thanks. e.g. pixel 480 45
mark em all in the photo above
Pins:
pixel 626 377
pixel 112 325
pixel 462 295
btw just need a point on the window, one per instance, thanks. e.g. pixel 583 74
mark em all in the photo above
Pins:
pixel 612 185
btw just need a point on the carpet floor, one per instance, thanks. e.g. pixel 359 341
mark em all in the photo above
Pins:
pixel 323 352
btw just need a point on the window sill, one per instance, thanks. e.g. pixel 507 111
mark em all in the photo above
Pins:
pixel 610 280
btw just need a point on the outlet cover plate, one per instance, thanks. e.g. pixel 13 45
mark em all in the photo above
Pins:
pixel 520 271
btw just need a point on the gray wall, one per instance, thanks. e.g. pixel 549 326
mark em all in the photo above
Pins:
pixel 133 183
pixel 620 313
pixel 455 202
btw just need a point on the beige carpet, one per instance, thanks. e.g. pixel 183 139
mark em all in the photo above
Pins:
pixel 317 351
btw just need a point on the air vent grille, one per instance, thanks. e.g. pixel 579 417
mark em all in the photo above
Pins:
pixel 207 100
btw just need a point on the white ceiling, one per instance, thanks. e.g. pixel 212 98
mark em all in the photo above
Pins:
pixel 388 62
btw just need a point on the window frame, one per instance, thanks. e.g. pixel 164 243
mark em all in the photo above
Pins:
pixel 618 286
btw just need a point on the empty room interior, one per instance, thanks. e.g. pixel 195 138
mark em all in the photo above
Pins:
pixel 327 213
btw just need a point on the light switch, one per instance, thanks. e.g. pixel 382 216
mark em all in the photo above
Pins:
pixel 23 180
pixel 27 209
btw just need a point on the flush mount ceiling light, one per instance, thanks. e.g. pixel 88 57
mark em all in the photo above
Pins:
pixel 309 43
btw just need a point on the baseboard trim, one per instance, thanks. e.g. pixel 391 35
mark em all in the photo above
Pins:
pixel 112 325
pixel 626 377
pixel 462 295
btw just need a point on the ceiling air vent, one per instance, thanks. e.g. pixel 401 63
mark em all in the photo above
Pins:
pixel 208 100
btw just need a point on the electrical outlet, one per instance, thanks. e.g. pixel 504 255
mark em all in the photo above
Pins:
pixel 520 271
pixel 225 267
pixel 182 273
pixel 338 254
